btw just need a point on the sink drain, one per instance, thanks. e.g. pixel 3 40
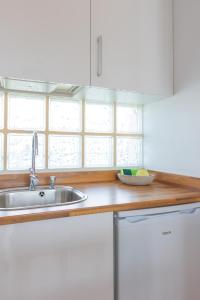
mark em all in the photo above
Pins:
pixel 42 194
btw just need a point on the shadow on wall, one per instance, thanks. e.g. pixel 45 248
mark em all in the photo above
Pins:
pixel 171 126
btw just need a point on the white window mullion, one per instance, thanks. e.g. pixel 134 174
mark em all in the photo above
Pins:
pixel 1 151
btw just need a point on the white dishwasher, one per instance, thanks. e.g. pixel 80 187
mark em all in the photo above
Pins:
pixel 158 253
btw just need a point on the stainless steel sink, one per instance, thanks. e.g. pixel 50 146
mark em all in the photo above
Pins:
pixel 22 198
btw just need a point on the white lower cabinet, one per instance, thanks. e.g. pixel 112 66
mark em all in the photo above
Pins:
pixel 67 258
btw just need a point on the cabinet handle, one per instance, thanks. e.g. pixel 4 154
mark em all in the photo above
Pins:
pixel 99 56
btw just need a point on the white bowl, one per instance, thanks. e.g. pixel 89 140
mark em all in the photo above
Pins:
pixel 136 180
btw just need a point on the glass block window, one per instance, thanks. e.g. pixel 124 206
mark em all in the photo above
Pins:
pixel 26 112
pixel 65 115
pixel 129 151
pixel 64 152
pixel 129 119
pixel 98 151
pixel 19 151
pixel 1 151
pixel 74 133
pixel 98 117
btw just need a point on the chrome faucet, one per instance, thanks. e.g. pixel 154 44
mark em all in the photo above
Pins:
pixel 33 178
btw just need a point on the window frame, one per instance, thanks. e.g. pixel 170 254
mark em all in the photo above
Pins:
pixel 47 132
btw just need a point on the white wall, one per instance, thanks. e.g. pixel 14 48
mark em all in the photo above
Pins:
pixel 172 126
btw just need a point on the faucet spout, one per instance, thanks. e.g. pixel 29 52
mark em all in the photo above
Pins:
pixel 34 149
pixel 33 178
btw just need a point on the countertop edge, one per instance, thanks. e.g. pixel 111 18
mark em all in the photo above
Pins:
pixel 46 215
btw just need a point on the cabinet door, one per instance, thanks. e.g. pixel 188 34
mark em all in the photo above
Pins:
pixel 132 45
pixel 45 40
pixel 159 255
pixel 68 258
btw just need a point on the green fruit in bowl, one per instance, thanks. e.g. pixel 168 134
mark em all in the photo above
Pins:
pixel 142 172
pixel 134 171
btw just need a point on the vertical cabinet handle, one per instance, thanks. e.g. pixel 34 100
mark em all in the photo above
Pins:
pixel 99 56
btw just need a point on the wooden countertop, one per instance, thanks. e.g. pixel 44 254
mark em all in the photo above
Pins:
pixel 109 197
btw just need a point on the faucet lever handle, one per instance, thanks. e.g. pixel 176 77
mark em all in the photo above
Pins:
pixel 31 171
pixel 52 182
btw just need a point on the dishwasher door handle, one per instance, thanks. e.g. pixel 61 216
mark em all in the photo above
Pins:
pixel 141 218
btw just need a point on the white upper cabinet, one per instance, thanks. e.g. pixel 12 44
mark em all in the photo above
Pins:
pixel 123 44
pixel 131 45
pixel 45 40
